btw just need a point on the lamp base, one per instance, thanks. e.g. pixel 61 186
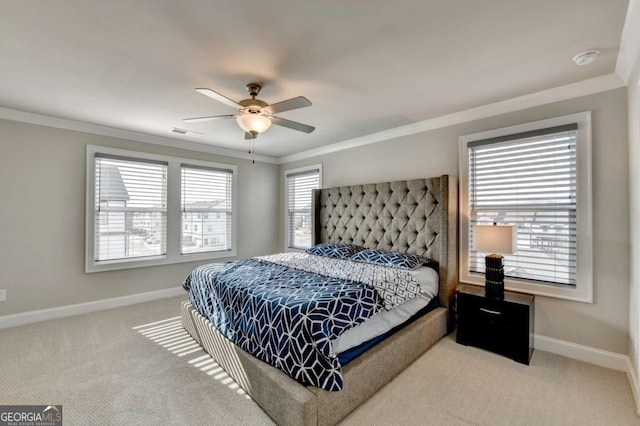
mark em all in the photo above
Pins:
pixel 494 276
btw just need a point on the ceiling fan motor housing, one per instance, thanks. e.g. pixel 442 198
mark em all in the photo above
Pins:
pixel 253 104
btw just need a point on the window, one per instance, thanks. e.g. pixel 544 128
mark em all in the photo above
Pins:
pixel 537 177
pixel 126 192
pixel 141 206
pixel 299 186
pixel 207 190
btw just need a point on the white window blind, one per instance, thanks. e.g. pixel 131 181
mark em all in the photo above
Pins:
pixel 299 195
pixel 130 218
pixel 529 180
pixel 207 209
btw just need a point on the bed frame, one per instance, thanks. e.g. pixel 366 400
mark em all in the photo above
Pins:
pixel 415 216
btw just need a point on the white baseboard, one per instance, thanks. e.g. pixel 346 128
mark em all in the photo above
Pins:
pixel 584 353
pixel 633 382
pixel 594 356
pixel 83 308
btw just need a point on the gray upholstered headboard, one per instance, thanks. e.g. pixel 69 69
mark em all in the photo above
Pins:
pixel 412 216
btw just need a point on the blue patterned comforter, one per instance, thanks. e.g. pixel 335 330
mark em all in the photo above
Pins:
pixel 283 316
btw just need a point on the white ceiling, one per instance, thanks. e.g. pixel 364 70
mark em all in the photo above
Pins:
pixel 366 66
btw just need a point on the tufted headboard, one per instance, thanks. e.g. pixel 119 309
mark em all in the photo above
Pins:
pixel 412 216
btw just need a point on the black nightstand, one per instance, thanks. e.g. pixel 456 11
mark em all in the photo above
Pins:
pixel 503 326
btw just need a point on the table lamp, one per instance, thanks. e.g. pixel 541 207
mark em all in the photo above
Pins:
pixel 494 239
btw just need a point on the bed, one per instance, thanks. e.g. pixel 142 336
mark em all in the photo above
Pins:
pixel 416 216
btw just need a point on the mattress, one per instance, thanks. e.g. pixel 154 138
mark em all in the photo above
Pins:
pixel 384 321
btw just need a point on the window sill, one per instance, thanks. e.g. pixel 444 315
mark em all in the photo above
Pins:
pixel 157 261
pixel 575 294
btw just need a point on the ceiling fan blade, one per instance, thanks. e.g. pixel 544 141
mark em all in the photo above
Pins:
pixel 248 136
pixel 218 97
pixel 292 125
pixel 288 105
pixel 199 119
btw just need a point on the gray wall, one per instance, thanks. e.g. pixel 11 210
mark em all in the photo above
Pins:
pixel 42 174
pixel 42 215
pixel 603 324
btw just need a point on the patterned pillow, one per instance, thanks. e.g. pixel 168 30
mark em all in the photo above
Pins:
pixel 337 250
pixel 390 258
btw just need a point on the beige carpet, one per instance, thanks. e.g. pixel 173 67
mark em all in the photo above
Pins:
pixel 135 366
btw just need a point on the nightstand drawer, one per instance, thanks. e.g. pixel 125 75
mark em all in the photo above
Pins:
pixel 504 326
pixel 487 317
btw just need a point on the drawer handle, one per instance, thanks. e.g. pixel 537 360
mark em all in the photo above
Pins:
pixel 489 311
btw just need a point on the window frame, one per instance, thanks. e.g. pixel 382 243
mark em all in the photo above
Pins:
pixel 286 201
pixel 174 213
pixel 202 214
pixel 145 167
pixel 583 290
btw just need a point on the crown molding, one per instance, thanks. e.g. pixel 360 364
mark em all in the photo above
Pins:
pixel 569 91
pixel 628 63
pixel 63 123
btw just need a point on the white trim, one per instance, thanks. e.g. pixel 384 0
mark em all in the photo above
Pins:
pixel 286 200
pixel 633 382
pixel 570 91
pixel 174 224
pixel 628 62
pixel 595 356
pixel 583 291
pixel 95 129
pixel 87 307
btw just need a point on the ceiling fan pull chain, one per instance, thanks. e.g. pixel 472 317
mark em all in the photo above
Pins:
pixel 253 153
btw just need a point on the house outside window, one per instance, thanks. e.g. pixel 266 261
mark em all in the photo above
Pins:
pixel 206 190
pixel 536 176
pixel 127 192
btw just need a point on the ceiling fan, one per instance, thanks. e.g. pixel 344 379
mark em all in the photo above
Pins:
pixel 255 116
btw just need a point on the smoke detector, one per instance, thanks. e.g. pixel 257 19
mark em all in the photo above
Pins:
pixel 585 58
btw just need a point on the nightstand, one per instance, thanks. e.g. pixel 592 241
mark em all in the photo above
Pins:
pixel 503 326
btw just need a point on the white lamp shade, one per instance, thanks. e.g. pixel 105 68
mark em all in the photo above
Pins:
pixel 253 123
pixel 495 238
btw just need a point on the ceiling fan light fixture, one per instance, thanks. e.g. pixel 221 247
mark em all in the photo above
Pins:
pixel 253 123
